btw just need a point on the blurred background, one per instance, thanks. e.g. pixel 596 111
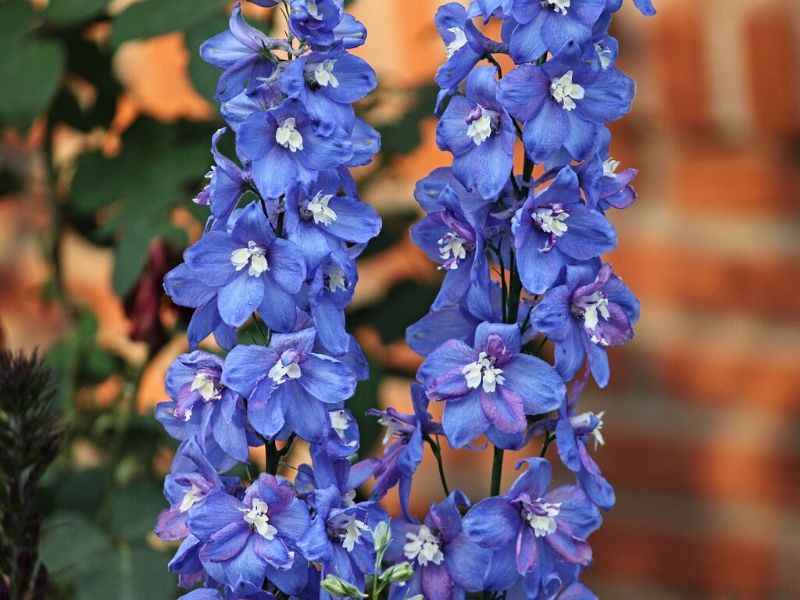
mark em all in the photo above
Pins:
pixel 105 121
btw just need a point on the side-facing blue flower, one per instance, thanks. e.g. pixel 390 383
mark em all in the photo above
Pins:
pixel 245 55
pixel 540 529
pixel 190 480
pixel 402 456
pixel 246 540
pixel 329 293
pixel 288 386
pixel 204 405
pixel 187 288
pixel 591 310
pixel 314 21
pixel 464 43
pixel 480 134
pixel 446 564
pixel 227 183
pixel 564 104
pixel 327 84
pixel 554 228
pixel 602 185
pixel 252 268
pixel 489 8
pixel 490 386
pixel 284 147
pixel 547 26
pixel 340 536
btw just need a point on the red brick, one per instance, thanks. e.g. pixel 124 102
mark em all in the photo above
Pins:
pixel 702 470
pixel 760 181
pixel 682 64
pixel 773 67
pixel 757 284
pixel 725 380
pixel 718 566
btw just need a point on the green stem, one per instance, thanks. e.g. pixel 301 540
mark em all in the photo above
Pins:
pixel 497 471
pixel 437 453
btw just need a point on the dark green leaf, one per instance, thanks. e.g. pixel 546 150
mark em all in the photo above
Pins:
pixel 16 19
pixel 152 18
pixel 66 12
pixel 31 76
pixel 74 547
pixel 135 508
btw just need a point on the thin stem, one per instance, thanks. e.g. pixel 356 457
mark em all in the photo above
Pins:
pixel 436 448
pixel 549 438
pixel 490 57
pixel 497 471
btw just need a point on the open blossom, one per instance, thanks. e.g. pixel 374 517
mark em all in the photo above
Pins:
pixel 534 526
pixel 554 228
pixel 288 385
pixel 244 541
pixel 590 310
pixel 489 387
pixel 446 564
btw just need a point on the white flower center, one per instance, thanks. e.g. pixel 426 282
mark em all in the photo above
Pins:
pixel 483 371
pixel 552 220
pixel 459 41
pixel 207 387
pixel 452 248
pixel 610 167
pixel 352 533
pixel 280 372
pixel 583 422
pixel 480 129
pixel 311 5
pixel 542 519
pixel 288 136
pixel 187 414
pixel 560 6
pixel 592 306
pixel 604 55
pixel 336 279
pixel 392 426
pixel 319 209
pixel 252 257
pixel 423 546
pixel 340 421
pixel 323 74
pixel 565 92
pixel 259 521
pixel 190 498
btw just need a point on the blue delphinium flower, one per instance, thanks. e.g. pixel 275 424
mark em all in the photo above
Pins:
pixel 404 445
pixel 246 540
pixel 315 20
pixel 590 310
pixel 340 535
pixel 288 385
pixel 329 293
pixel 226 183
pixel 252 269
pixel 490 387
pixel 547 26
pixel 537 528
pixel 564 104
pixel 187 288
pixel 284 146
pixel 554 228
pixel 446 563
pixel 464 43
pixel 202 406
pixel 480 134
pixel 327 85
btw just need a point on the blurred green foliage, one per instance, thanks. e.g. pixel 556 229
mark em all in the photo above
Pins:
pixel 104 492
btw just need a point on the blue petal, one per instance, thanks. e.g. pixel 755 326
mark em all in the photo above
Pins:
pixel 240 298
pixel 327 379
pixel 492 522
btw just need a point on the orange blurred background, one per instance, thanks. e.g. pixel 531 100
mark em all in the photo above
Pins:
pixel 702 417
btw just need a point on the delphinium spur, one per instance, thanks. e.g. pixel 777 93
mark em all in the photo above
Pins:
pixel 278 255
pixel 521 256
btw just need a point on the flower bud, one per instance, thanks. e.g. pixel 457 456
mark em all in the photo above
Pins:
pixel 338 587
pixel 382 534
pixel 398 573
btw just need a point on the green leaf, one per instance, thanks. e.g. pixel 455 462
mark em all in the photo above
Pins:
pixel 152 18
pixel 130 255
pixel 16 19
pixel 150 577
pixel 134 509
pixel 67 12
pixel 31 75
pixel 74 547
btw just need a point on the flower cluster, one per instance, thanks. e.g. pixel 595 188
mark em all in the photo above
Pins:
pixel 277 254
pixel 521 255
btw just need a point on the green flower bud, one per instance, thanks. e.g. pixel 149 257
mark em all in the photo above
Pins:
pixel 338 587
